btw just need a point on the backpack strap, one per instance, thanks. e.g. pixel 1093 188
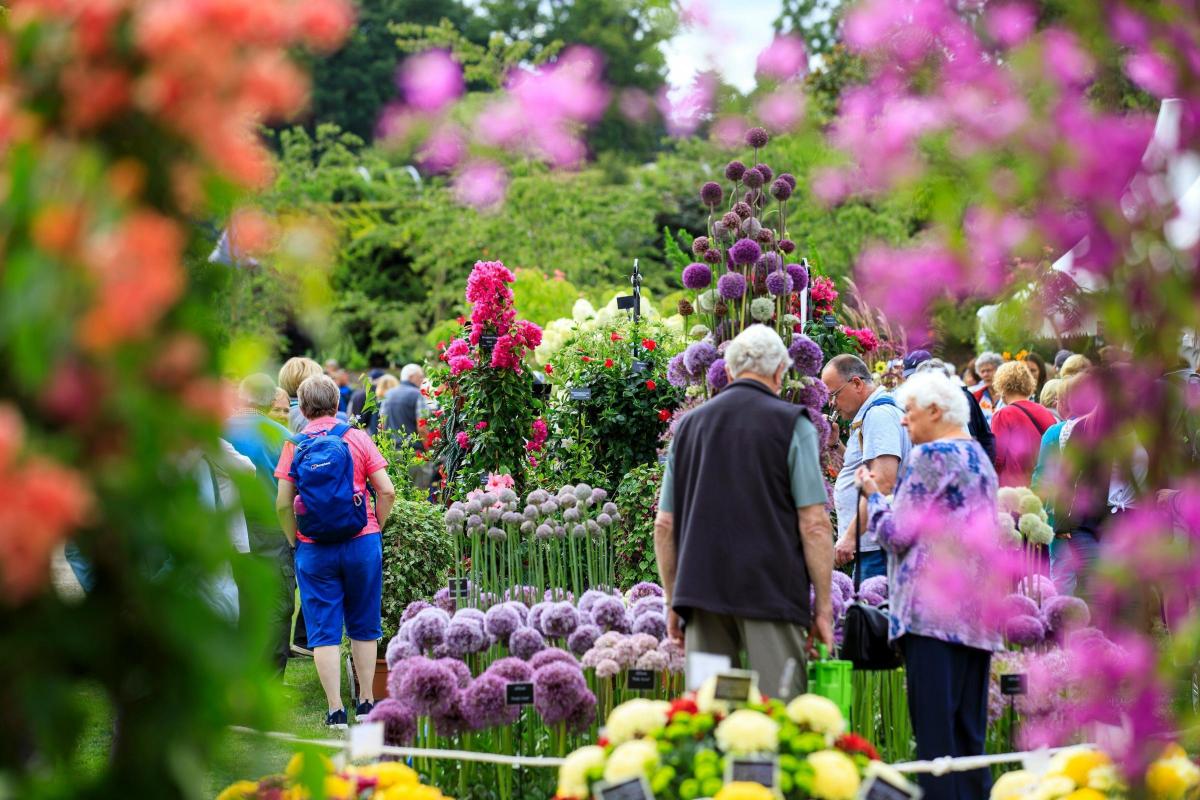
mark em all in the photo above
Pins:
pixel 1025 411
pixel 882 400
pixel 340 430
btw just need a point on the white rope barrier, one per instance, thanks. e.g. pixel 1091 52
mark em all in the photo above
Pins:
pixel 946 764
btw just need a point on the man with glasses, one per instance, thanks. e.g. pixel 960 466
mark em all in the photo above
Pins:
pixel 878 440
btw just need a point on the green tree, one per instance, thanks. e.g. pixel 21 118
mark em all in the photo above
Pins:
pixel 818 22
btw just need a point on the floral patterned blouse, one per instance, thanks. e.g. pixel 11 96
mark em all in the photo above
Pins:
pixel 937 529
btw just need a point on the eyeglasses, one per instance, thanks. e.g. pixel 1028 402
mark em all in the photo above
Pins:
pixel 834 395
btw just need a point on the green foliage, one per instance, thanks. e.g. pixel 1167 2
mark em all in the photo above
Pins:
pixel 824 86
pixel 485 66
pixel 418 555
pixel 676 249
pixel 633 540
pixel 818 22
pixel 541 297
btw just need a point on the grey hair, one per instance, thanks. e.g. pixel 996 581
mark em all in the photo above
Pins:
pixel 408 371
pixel 850 366
pixel 988 357
pixel 757 350
pixel 257 390
pixel 319 397
pixel 936 365
pixel 932 388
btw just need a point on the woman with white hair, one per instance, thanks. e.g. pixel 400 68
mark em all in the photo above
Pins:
pixel 986 365
pixel 945 496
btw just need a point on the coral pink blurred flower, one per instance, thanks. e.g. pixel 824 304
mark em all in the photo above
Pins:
pixel 481 184
pixel 1011 23
pixel 251 233
pixel 324 24
pixel 695 14
pixel 886 277
pixel 785 58
pixel 783 109
pixel 430 81
pixel 497 481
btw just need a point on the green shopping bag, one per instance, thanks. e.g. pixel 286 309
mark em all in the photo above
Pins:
pixel 829 677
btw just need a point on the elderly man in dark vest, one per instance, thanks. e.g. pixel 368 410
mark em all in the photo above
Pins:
pixel 742 532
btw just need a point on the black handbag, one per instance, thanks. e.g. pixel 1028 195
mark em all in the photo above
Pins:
pixel 865 630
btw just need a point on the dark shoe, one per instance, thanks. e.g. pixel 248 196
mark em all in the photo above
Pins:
pixel 363 709
pixel 336 720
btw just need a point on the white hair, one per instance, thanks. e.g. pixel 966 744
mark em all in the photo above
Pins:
pixel 988 357
pixel 318 396
pixel 931 388
pixel 408 371
pixel 757 350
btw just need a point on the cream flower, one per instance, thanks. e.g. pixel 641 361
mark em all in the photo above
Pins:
pixel 1008 498
pixel 1013 785
pixel 818 714
pixel 1042 534
pixel 1053 787
pixel 572 775
pixel 745 731
pixel 1029 504
pixel 834 775
pixel 638 757
pixel 1028 524
pixel 634 719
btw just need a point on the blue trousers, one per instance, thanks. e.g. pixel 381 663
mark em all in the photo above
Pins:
pixel 1071 561
pixel 871 564
pixel 947 700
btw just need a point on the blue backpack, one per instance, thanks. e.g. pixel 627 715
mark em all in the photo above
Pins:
pixel 323 469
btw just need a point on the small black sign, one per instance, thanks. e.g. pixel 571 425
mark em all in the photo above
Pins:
pixel 541 390
pixel 488 340
pixel 582 393
pixel 733 688
pixel 641 679
pixel 459 587
pixel 626 303
pixel 640 366
pixel 518 694
pixel 877 787
pixel 632 789
pixel 1013 684
pixel 763 771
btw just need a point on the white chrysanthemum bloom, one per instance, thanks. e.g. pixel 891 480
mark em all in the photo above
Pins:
pixel 818 714
pixel 634 719
pixel 745 732
pixel 632 759
pixel 582 310
pixel 572 775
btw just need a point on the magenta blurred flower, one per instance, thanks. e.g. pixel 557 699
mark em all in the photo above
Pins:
pixel 684 110
pixel 783 59
pixel 1011 23
pixel 635 105
pixel 444 148
pixel 1066 59
pixel 430 81
pixel 782 109
pixel 727 131
pixel 481 184
pixel 1152 72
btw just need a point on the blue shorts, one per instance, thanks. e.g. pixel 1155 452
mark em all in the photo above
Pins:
pixel 341 583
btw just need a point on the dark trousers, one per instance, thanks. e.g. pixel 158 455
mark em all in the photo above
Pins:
pixel 282 602
pixel 947 700
pixel 871 564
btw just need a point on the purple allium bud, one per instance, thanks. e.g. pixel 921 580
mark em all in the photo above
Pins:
pixel 699 245
pixel 779 283
pixel 697 276
pixel 1064 613
pixel 582 639
pixel 645 589
pixel 653 624
pixel 525 642
pixel 757 138
pixel 414 608
pixel 1015 605
pixel 685 308
pixel 721 308
pixel 1024 630
pixel 713 256
pixel 765 237
pixel 790 178
pixel 427 687
pixel 399 722
pixel 428 628
pixel 549 656
pixel 744 251
pixel 787 246
pixel 753 178
pixel 485 703
pixel 557 689
pixel 711 193
pixel 743 210
pixel 511 669
pixel 609 613
pixel 734 170
pixel 720 230
pixel 717 377
pixel 766 171
pixel 399 649
pixel 699 356
pixel 781 190
pixel 501 621
pixel 815 395
pixel 799 276
pixel 874 591
pixel 806 354
pixel 731 220
pixel 559 620
pixel 755 199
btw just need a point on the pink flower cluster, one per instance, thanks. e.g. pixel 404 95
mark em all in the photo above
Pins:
pixel 823 295
pixel 865 337
pixel 538 440
pixel 457 355
pixel 510 348
pixel 487 289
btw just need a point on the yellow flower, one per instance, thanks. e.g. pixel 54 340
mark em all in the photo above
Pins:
pixel 338 788
pixel 744 790
pixel 1077 764
pixel 1171 777
pixel 1053 787
pixel 1085 793
pixel 818 714
pixel 572 775
pixel 242 790
pixel 1105 779
pixel 1022 355
pixel 638 757
pixel 389 773
pixel 295 767
pixel 1012 785
pixel 834 775
pixel 412 792
pixel 880 367
pixel 635 719
pixel 1007 355
pixel 746 731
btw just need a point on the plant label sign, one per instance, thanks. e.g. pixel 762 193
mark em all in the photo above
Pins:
pixel 640 679
pixel 488 340
pixel 627 302
pixel 735 686
pixel 582 393
pixel 1013 684
pixel 458 587
pixel 702 666
pixel 640 366
pixel 877 787
pixel 518 694
pixel 632 789
pixel 763 771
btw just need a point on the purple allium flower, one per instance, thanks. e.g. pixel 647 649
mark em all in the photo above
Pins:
pixel 396 676
pixel 732 285
pixel 644 642
pixel 627 652
pixel 1037 587
pixel 814 395
pixel 799 275
pixel 713 256
pixel 757 138
pixel 744 251
pixel 753 178
pixel 399 649
pixel 501 621
pixel 717 377
pixel 781 190
pixel 460 669
pixel 399 722
pixel 697 276
pixel 559 595
pixel 584 713
pixel 699 245
pixel 1076 638
pixel 473 614
pixel 582 639
pixel 1015 605
pixel 549 656
pixel 1064 613
pixel 648 605
pixel 711 193
pixel 751 228
pixel 511 669
pixel 845 581
pixel 874 590
pixel 524 594
pixel 769 262
pixel 1024 630
pixel 427 687
pixel 607 668
pixel 525 642
pixel 734 170
pixel 464 637
pixel 677 374
pixel 444 601
pixel 559 620
pixel 485 703
pixel 653 624
pixel 806 354
pixel 766 171
pixel 414 608
pixel 451 721
pixel 519 607
pixel 428 628
pixel 787 246
pixel 609 613
pixel 765 237
pixel 557 689
pixel 779 283
pixel 590 597
pixel 790 178
pixel 743 211
pixel 535 614
pixel 653 659
pixel 699 356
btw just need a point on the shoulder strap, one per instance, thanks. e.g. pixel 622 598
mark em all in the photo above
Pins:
pixel 340 430
pixel 857 568
pixel 882 400
pixel 1032 419
pixel 216 487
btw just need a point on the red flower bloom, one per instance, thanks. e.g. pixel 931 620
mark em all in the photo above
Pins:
pixel 441 346
pixel 461 319
pixel 549 369
pixel 616 337
pixel 602 741
pixel 649 344
pixel 481 425
pixel 608 362
pixel 421 423
pixel 437 412
pixel 853 743
pixel 682 705
pixel 587 359
pixel 651 385
pixel 664 415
